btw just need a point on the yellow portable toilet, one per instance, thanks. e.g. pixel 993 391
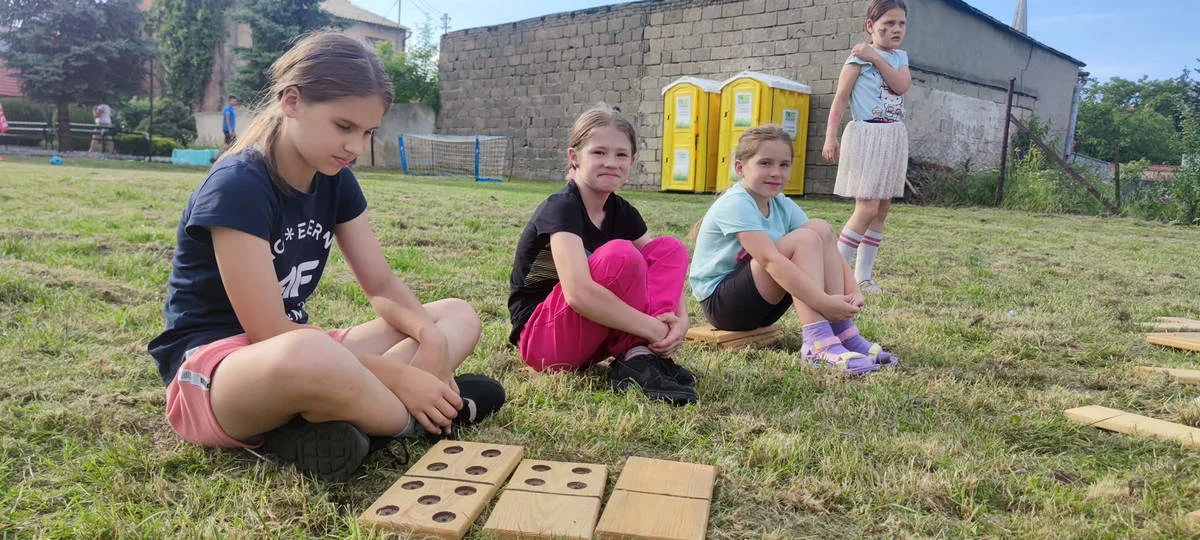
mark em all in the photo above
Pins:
pixel 691 118
pixel 749 99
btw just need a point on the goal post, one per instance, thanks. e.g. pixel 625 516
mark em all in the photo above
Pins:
pixel 486 158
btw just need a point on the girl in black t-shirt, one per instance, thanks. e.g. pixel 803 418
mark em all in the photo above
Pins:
pixel 588 280
pixel 242 365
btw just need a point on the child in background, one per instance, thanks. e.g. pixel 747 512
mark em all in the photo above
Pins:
pixel 757 253
pixel 251 246
pixel 588 280
pixel 873 156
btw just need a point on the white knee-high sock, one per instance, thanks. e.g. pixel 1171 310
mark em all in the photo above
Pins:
pixel 867 250
pixel 848 243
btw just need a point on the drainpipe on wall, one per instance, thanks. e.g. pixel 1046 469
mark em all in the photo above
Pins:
pixel 1068 150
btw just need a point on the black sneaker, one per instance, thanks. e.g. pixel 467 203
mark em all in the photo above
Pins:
pixel 681 374
pixel 481 397
pixel 646 371
pixel 330 451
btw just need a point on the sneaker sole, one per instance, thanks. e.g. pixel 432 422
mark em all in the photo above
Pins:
pixel 330 451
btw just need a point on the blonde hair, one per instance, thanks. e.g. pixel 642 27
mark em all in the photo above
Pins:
pixel 595 118
pixel 322 66
pixel 877 8
pixel 752 139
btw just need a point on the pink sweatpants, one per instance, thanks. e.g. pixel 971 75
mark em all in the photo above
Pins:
pixel 651 281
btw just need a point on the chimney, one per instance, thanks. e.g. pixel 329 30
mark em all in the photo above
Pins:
pixel 1021 19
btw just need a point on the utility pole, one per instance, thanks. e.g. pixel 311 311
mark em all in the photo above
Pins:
pixel 445 23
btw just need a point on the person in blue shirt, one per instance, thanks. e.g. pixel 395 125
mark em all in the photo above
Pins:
pixel 242 363
pixel 757 254
pixel 229 121
pixel 872 158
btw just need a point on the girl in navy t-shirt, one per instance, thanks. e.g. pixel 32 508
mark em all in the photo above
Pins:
pixel 242 365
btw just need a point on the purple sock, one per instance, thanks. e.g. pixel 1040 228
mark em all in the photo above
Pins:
pixel 820 337
pixel 852 339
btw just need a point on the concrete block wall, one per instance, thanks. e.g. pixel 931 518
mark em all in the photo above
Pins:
pixel 530 79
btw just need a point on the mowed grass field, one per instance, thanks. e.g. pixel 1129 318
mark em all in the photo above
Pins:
pixel 1002 320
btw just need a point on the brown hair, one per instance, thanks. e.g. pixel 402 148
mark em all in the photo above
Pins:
pixel 753 138
pixel 322 66
pixel 877 8
pixel 597 117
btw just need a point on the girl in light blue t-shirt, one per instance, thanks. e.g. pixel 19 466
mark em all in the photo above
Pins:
pixel 873 155
pixel 757 254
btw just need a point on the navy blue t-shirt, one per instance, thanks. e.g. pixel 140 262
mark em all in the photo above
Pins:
pixel 533 274
pixel 239 194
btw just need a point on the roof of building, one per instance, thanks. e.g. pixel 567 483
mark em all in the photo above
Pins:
pixel 962 5
pixel 10 84
pixel 343 9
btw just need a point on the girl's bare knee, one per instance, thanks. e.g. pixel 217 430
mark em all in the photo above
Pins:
pixel 822 228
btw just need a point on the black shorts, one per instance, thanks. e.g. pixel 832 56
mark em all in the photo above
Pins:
pixel 230 137
pixel 736 304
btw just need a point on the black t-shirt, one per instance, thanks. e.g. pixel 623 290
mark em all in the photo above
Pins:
pixel 533 274
pixel 239 194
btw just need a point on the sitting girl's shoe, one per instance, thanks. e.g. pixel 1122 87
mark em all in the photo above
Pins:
pixel 850 362
pixel 852 340
pixel 331 451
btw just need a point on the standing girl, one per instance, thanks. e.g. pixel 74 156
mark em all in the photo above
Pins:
pixel 757 253
pixel 588 280
pixel 242 365
pixel 873 157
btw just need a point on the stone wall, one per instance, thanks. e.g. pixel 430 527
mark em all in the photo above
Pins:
pixel 530 79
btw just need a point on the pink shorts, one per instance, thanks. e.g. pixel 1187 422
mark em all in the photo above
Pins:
pixel 189 408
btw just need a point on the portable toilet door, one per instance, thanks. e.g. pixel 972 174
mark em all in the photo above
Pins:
pixel 749 99
pixel 691 120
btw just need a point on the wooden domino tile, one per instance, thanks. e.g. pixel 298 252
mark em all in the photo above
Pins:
pixel 1187 376
pixel 1134 424
pixel 471 461
pixel 549 499
pixel 1180 340
pixel 429 506
pixel 735 340
pixel 442 494
pixel 1173 324
pixel 659 499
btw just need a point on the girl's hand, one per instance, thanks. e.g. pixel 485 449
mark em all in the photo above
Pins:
pixel 677 328
pixel 858 299
pixel 430 401
pixel 838 307
pixel 866 52
pixel 831 149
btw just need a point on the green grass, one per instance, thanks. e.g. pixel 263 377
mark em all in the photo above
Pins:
pixel 1002 320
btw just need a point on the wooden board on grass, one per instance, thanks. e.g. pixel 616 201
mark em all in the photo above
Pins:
pixel 1188 376
pixel 470 461
pixel 1134 424
pixel 659 499
pixel 429 507
pixel 1180 340
pixel 735 340
pixel 549 499
pixel 674 478
pixel 1173 324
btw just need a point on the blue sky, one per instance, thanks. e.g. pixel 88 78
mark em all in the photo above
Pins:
pixel 1114 37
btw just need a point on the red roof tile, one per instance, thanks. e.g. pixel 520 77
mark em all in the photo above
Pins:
pixel 10 85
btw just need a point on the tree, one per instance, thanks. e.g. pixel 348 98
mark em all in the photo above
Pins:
pixel 187 33
pixel 414 73
pixel 75 51
pixel 274 26
pixel 1148 116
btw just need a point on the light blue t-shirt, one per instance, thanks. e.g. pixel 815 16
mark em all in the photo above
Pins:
pixel 871 98
pixel 717 248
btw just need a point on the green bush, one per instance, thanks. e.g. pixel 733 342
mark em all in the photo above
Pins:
pixel 136 145
pixel 26 110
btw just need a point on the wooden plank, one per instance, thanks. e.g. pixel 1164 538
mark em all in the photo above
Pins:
pixel 525 514
pixel 630 514
pixel 674 478
pixel 760 339
pixel 1188 376
pixel 471 461
pixel 429 507
pixel 1182 340
pixel 1171 327
pixel 563 478
pixel 1135 424
pixel 709 334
